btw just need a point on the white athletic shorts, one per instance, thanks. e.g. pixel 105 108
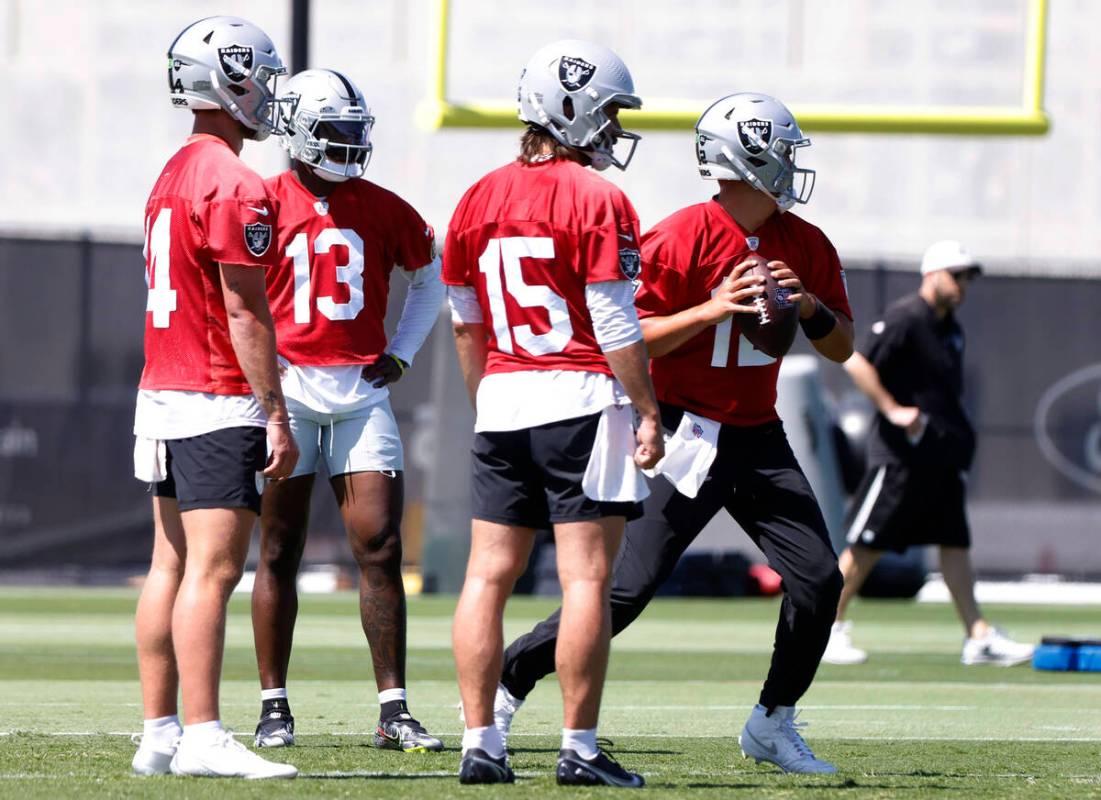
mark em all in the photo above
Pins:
pixel 364 440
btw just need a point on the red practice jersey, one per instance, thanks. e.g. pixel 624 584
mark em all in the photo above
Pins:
pixel 718 373
pixel 329 292
pixel 207 208
pixel 529 238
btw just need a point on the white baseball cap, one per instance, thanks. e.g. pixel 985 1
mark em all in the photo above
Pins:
pixel 950 255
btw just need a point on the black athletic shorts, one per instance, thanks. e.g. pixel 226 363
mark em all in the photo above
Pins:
pixel 898 505
pixel 531 478
pixel 217 469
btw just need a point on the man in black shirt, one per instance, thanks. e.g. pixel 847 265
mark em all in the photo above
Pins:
pixel 921 446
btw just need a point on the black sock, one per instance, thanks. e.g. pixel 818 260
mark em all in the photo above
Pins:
pixel 393 708
pixel 277 704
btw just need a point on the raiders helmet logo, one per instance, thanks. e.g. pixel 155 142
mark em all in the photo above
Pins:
pixel 755 134
pixel 236 62
pixel 575 73
pixel 630 264
pixel 258 238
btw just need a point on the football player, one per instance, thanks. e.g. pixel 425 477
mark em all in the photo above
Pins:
pixel 539 261
pixel 340 237
pixel 727 448
pixel 209 405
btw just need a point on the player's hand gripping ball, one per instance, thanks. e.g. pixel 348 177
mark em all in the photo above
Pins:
pixel 772 328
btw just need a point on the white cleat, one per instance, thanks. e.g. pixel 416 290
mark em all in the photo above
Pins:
pixel 222 756
pixel 152 757
pixel 840 649
pixel 776 739
pixel 505 707
pixel 995 648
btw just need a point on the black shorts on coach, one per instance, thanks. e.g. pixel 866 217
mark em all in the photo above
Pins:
pixel 531 478
pixel 217 469
pixel 899 505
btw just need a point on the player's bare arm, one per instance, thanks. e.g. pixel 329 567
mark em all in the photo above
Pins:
pixel 665 334
pixel 866 378
pixel 470 343
pixel 837 345
pixel 252 333
pixel 631 366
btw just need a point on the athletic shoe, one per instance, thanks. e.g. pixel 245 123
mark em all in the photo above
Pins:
pixel 995 648
pixel 478 766
pixel 600 770
pixel 840 649
pixel 776 739
pixel 222 756
pixel 402 732
pixel 505 707
pixel 152 758
pixel 276 729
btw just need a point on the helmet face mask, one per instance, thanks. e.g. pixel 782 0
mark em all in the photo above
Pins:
pixel 753 138
pixel 568 88
pixel 230 64
pixel 327 125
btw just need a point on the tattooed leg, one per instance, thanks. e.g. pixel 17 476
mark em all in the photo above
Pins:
pixel 371 504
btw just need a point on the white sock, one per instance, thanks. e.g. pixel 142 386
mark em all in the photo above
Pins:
pixel 487 739
pixel 391 695
pixel 273 694
pixel 202 732
pixel 581 741
pixel 161 729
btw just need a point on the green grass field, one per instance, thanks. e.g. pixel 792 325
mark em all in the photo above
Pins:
pixel 912 722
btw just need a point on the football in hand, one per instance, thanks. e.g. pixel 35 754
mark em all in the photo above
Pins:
pixel 772 329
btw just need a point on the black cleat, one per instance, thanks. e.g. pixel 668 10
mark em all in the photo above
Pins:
pixel 601 770
pixel 478 766
pixel 402 732
pixel 276 728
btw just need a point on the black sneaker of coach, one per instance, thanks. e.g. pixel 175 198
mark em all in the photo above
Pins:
pixel 402 732
pixel 478 766
pixel 600 770
pixel 276 727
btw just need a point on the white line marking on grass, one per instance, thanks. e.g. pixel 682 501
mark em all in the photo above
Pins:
pixel 439 773
pixel 629 734
pixel 744 706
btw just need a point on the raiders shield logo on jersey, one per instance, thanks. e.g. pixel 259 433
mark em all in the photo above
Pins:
pixel 236 61
pixel 630 264
pixel 575 73
pixel 755 134
pixel 258 238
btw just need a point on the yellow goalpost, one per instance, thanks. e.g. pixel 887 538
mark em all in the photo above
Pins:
pixel 1027 119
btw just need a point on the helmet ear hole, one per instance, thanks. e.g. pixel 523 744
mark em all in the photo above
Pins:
pixel 567 108
pixel 757 162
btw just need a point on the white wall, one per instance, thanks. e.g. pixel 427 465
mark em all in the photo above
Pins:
pixel 87 123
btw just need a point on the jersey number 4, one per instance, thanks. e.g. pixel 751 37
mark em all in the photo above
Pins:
pixel 506 253
pixel 350 274
pixel 748 355
pixel 158 246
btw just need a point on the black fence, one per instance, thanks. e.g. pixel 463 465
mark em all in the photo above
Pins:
pixel 71 316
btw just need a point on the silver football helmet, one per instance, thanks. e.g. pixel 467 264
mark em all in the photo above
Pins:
pixel 567 87
pixel 227 63
pixel 753 138
pixel 327 124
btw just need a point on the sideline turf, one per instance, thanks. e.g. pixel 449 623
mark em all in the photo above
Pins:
pixel 912 722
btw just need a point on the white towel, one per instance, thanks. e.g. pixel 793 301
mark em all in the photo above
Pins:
pixel 612 475
pixel 689 454
pixel 150 460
